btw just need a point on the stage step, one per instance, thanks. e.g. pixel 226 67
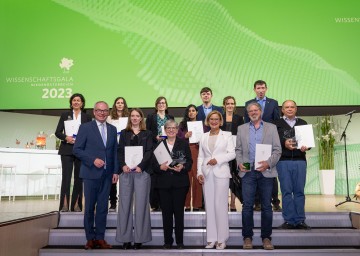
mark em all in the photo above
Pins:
pixel 198 220
pixel 200 252
pixel 197 237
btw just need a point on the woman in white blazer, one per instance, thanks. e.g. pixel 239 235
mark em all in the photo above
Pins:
pixel 216 149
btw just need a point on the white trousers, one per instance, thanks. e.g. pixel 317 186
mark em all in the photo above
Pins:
pixel 216 192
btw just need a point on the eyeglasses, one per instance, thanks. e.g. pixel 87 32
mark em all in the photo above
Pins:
pixel 171 128
pixel 102 111
pixel 161 103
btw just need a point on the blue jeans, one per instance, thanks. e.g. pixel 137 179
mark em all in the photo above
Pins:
pixel 292 177
pixel 250 182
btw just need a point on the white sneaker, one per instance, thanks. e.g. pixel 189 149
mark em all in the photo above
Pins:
pixel 220 246
pixel 210 245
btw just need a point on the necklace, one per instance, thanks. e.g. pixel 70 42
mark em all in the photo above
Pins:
pixel 215 132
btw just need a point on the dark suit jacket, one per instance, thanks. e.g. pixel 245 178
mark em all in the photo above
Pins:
pixel 151 124
pixel 236 121
pixel 170 178
pixel 66 148
pixel 271 112
pixel 145 140
pixel 201 114
pixel 89 146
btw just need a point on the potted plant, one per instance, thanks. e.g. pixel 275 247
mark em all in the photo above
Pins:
pixel 326 138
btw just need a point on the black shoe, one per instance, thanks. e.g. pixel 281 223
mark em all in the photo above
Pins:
pixel 196 209
pixel 233 210
pixel 167 246
pixel 286 225
pixel 112 208
pixel 137 246
pixel 158 209
pixel 187 209
pixel 303 225
pixel 180 246
pixel 126 246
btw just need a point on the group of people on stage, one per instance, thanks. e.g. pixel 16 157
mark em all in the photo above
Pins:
pixel 198 178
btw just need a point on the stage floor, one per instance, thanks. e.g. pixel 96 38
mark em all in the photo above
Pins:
pixel 29 207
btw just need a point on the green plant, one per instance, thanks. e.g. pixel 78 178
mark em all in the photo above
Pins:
pixel 326 137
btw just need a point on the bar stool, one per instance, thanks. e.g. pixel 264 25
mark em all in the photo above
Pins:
pixel 3 169
pixel 54 170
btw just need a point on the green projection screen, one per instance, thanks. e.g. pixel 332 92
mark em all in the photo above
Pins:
pixel 140 49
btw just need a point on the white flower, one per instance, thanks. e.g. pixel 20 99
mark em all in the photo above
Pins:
pixel 326 137
pixel 332 132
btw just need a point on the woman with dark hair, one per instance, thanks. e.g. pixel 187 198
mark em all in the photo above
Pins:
pixel 195 188
pixel 173 185
pixel 68 160
pixel 119 109
pixel 154 122
pixel 134 183
pixel 231 123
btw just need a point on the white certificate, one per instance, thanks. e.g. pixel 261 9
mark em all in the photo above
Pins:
pixel 120 124
pixel 262 153
pixel 305 136
pixel 196 127
pixel 133 156
pixel 71 127
pixel 162 155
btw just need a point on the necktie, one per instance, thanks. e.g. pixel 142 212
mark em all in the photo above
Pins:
pixel 103 134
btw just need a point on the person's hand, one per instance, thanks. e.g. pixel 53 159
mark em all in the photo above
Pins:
pixel 263 166
pixel 70 139
pixel 212 162
pixel 303 148
pixel 242 168
pixel 188 134
pixel 115 178
pixel 178 168
pixel 99 163
pixel 164 167
pixel 201 179
pixel 289 144
pixel 138 169
pixel 126 169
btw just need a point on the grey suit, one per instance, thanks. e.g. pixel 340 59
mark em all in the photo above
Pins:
pixel 270 136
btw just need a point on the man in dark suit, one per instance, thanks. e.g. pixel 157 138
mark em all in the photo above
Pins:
pixel 207 106
pixel 270 113
pixel 96 147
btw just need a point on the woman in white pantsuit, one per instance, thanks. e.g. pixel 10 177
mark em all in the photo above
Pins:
pixel 216 149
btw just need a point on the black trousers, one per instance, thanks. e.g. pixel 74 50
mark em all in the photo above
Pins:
pixel 154 193
pixel 70 163
pixel 113 194
pixel 172 206
pixel 274 196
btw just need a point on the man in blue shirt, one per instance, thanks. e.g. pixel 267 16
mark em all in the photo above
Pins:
pixel 270 113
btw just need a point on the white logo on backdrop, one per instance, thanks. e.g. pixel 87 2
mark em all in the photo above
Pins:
pixel 66 64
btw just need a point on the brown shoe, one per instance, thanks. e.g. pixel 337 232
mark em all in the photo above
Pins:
pixel 102 244
pixel 267 244
pixel 247 244
pixel 90 244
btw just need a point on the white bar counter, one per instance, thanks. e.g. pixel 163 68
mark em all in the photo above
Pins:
pixel 30 165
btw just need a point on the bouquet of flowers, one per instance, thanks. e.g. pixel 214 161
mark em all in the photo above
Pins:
pixel 326 137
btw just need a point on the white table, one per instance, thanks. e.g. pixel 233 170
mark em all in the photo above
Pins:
pixel 30 166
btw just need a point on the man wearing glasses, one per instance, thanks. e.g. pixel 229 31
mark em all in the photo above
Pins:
pixel 96 147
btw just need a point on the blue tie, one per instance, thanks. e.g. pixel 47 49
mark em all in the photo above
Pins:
pixel 103 134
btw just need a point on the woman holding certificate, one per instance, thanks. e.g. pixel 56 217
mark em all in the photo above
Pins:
pixel 118 110
pixel 195 187
pixel 135 152
pixel 231 123
pixel 69 162
pixel 155 123
pixel 216 149
pixel 173 184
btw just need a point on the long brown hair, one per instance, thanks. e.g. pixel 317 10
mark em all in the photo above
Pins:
pixel 142 125
pixel 113 111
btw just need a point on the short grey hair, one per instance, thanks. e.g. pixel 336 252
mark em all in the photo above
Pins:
pixel 170 122
pixel 253 103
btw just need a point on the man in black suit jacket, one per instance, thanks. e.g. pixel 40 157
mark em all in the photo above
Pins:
pixel 207 106
pixel 96 147
pixel 270 113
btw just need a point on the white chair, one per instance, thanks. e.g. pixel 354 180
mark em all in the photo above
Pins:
pixel 8 169
pixel 52 170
